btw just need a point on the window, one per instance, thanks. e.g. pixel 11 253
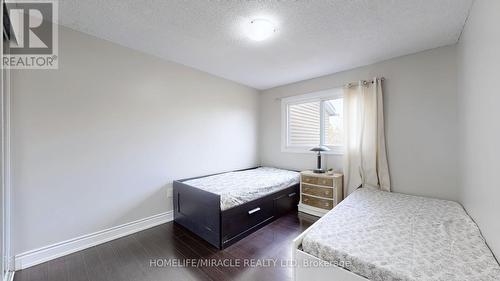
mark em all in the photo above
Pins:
pixel 313 119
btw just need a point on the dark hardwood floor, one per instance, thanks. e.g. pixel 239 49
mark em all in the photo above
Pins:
pixel 132 258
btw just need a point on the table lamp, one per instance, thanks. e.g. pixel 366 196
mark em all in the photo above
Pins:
pixel 319 149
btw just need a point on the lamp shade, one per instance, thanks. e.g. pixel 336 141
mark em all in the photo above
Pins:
pixel 320 148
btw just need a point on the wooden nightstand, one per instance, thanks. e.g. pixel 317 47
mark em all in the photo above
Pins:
pixel 319 193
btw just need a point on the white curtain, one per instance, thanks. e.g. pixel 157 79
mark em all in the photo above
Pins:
pixel 365 158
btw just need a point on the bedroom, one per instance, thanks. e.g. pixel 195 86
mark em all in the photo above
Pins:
pixel 108 140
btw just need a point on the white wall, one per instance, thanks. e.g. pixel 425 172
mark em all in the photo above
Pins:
pixel 420 114
pixel 479 101
pixel 97 142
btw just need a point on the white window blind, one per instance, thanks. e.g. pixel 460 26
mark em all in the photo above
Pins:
pixel 304 124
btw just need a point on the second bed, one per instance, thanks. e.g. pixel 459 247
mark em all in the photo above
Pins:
pixel 378 235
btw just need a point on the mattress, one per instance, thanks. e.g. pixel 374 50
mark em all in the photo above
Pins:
pixel 236 188
pixel 389 236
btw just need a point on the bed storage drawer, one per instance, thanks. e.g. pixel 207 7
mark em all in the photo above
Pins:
pixel 317 202
pixel 286 202
pixel 238 220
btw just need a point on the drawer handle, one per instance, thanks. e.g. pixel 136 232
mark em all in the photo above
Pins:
pixel 305 199
pixel 291 194
pixel 254 211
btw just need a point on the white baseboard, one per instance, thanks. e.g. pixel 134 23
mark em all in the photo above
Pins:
pixel 9 276
pixel 40 255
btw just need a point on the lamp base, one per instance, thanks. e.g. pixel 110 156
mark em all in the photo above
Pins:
pixel 319 171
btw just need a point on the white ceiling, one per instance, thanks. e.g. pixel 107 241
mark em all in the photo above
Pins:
pixel 314 38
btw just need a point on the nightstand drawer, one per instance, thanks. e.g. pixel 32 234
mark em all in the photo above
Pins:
pixel 308 179
pixel 317 202
pixel 325 181
pixel 317 191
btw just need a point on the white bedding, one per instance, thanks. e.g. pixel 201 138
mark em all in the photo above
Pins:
pixel 236 188
pixel 390 236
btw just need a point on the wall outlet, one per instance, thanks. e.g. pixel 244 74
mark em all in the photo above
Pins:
pixel 170 191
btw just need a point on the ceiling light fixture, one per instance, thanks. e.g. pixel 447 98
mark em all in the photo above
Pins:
pixel 260 29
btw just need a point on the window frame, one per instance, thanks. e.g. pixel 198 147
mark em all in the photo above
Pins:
pixel 321 96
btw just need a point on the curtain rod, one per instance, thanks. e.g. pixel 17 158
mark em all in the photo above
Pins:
pixel 364 82
pixel 347 85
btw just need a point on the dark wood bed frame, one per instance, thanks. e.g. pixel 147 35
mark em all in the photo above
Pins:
pixel 199 211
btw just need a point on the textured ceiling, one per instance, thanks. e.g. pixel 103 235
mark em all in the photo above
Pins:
pixel 314 38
